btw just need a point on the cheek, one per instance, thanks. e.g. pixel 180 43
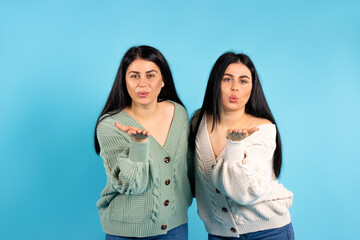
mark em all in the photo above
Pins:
pixel 247 93
pixel 246 89
pixel 224 89
pixel 158 85
pixel 129 87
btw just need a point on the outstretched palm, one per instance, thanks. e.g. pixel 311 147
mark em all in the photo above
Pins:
pixel 240 134
pixel 137 134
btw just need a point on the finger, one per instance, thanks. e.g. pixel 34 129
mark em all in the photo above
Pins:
pixel 252 130
pixel 121 127
pixel 139 136
pixel 236 135
pixel 145 132
pixel 141 131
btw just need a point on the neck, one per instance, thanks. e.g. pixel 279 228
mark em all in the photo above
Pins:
pixel 143 111
pixel 233 118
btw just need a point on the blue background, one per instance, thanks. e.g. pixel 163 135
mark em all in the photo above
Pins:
pixel 58 60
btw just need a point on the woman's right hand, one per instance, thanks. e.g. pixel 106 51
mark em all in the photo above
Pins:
pixel 136 134
pixel 240 134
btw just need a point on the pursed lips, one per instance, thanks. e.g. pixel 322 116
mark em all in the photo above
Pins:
pixel 233 98
pixel 143 94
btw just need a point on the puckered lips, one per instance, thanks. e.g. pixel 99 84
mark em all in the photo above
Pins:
pixel 143 94
pixel 233 98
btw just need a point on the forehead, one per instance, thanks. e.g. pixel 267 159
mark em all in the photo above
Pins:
pixel 140 65
pixel 238 69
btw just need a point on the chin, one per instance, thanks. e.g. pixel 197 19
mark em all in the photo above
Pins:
pixel 232 107
pixel 144 101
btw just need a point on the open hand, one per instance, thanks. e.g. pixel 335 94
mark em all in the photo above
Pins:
pixel 240 134
pixel 137 134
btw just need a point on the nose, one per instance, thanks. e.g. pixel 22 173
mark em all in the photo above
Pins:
pixel 142 81
pixel 234 86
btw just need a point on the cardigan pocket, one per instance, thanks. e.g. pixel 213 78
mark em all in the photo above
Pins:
pixel 130 209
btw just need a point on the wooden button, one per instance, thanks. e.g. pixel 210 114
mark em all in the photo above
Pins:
pixel 217 191
pixel 163 227
pixel 166 159
pixel 212 166
pixel 166 203
pixel 167 181
pixel 224 209
pixel 233 229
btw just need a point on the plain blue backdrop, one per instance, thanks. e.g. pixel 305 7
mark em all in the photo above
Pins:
pixel 58 61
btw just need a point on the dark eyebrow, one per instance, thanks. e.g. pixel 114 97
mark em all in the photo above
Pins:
pixel 228 74
pixel 151 71
pixel 134 72
pixel 242 76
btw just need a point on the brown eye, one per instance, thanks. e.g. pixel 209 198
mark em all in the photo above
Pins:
pixel 134 76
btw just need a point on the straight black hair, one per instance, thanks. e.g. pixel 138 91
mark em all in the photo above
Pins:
pixel 256 106
pixel 119 97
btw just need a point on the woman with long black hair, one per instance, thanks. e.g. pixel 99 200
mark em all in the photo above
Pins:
pixel 238 157
pixel 142 134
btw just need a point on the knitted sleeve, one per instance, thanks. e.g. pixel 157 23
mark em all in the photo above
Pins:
pixel 245 173
pixel 126 162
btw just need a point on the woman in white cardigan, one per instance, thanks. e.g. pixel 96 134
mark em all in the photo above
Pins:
pixel 238 157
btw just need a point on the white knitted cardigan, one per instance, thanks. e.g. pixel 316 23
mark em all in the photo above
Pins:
pixel 237 192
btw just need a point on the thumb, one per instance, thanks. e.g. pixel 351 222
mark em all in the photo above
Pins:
pixel 121 127
pixel 252 130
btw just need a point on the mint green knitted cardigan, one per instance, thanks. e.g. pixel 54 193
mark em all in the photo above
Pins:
pixel 147 191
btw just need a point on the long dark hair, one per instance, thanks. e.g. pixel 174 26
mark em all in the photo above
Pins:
pixel 119 97
pixel 256 106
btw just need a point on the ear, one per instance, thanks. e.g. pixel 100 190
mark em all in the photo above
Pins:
pixel 162 84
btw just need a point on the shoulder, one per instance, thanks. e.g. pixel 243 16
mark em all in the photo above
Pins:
pixel 106 125
pixel 257 121
pixel 105 120
pixel 267 130
pixel 179 111
pixel 168 105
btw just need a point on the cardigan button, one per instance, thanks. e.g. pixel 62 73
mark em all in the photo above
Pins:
pixel 166 203
pixel 233 230
pixel 167 181
pixel 224 209
pixel 166 159
pixel 212 166
pixel 163 227
pixel 217 191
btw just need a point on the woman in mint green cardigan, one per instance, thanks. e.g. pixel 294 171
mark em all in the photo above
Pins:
pixel 142 135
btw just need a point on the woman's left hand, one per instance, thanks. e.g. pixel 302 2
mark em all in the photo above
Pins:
pixel 240 134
